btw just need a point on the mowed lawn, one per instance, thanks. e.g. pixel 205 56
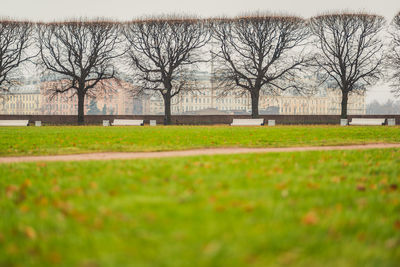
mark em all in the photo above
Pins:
pixel 85 139
pixel 336 208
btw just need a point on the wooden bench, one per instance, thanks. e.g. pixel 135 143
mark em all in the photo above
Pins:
pixel 14 122
pixel 118 122
pixel 247 122
pixel 367 121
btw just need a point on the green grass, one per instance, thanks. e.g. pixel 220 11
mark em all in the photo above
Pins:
pixel 68 140
pixel 337 208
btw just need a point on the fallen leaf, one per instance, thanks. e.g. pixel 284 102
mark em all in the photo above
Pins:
pixel 361 236
pixel 361 187
pixel 211 248
pixel 312 185
pixel 12 249
pixel 248 207
pixel 397 224
pixel 10 190
pixel 384 181
pixel 93 185
pixel 281 186
pixel 41 164
pixel 54 257
pixel 26 183
pixel 24 208
pixel 393 187
pixel 310 218
pixel 30 232
pixel 391 243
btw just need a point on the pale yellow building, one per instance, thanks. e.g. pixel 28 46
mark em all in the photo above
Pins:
pixel 328 103
pixel 33 99
pixel 207 97
pixel 21 100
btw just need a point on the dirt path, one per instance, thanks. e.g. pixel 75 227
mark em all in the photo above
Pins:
pixel 184 153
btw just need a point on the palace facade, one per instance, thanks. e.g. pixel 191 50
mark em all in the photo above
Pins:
pixel 33 98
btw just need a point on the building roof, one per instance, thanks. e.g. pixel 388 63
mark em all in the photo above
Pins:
pixel 32 88
pixel 208 111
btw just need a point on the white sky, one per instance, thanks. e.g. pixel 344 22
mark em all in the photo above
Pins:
pixel 48 10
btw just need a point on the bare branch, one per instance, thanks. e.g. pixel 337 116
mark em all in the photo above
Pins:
pixel 258 53
pixel 162 51
pixel 393 56
pixel 348 50
pixel 15 39
pixel 82 54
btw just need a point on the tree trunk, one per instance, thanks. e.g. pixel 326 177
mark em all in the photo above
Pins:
pixel 167 109
pixel 255 95
pixel 81 109
pixel 345 96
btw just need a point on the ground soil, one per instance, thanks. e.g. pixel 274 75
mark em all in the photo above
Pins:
pixel 185 153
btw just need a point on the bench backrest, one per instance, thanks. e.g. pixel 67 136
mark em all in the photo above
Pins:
pixel 14 122
pixel 247 122
pixel 119 122
pixel 367 121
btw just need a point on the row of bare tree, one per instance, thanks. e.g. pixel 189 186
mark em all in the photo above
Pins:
pixel 254 53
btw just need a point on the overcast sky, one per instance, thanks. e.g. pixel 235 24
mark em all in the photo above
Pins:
pixel 48 10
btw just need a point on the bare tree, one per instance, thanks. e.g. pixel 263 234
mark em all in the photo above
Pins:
pixel 348 51
pixel 393 56
pixel 163 52
pixel 15 40
pixel 257 52
pixel 82 54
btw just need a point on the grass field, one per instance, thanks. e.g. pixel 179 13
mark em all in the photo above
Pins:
pixel 69 140
pixel 337 208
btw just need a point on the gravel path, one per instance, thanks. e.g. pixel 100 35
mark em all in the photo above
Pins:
pixel 185 153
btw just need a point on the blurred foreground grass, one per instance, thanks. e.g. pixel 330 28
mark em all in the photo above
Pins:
pixel 337 208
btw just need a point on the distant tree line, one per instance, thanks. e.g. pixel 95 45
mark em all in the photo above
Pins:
pixel 389 107
pixel 253 53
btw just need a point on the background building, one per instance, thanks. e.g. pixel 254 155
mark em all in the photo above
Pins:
pixel 326 101
pixel 32 97
pixel 23 99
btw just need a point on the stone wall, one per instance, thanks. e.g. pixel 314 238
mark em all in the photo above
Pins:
pixel 190 119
